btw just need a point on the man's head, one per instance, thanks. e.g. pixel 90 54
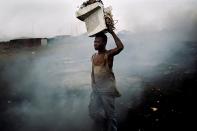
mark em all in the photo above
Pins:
pixel 100 41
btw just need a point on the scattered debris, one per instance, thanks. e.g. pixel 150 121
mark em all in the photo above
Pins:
pixel 154 109
pixel 156 120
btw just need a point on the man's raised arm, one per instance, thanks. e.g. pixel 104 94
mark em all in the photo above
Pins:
pixel 119 44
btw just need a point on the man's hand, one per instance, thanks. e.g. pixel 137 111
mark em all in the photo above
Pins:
pixel 110 30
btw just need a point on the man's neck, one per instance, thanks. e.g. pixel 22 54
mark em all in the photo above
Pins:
pixel 101 51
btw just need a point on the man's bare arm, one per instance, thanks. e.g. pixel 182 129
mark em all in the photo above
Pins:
pixel 119 44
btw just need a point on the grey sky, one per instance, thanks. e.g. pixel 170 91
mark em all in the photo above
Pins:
pixel 45 18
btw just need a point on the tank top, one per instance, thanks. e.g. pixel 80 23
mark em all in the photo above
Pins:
pixel 103 79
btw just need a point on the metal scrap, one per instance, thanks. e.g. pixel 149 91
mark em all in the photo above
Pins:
pixel 89 2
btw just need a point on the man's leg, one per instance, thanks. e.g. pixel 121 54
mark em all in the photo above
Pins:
pixel 108 102
pixel 99 126
pixel 96 112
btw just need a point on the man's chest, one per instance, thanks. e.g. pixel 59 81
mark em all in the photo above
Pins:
pixel 99 59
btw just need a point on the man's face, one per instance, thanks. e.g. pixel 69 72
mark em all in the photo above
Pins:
pixel 98 43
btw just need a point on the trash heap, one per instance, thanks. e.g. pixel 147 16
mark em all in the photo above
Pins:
pixel 96 17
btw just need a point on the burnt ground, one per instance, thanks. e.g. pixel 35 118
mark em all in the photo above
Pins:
pixel 168 102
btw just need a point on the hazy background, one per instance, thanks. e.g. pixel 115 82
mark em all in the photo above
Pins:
pixel 48 88
pixel 45 18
